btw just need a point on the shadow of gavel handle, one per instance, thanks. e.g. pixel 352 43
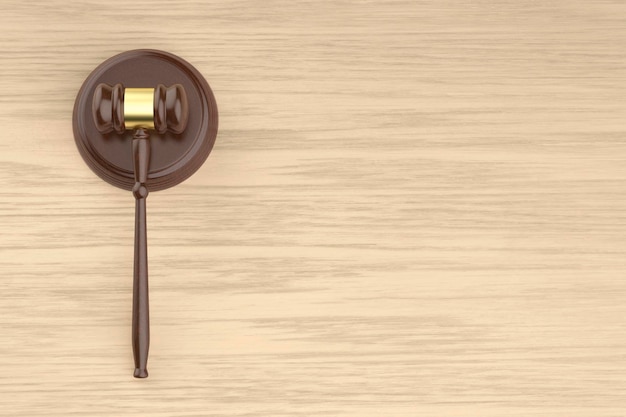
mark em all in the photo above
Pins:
pixel 162 109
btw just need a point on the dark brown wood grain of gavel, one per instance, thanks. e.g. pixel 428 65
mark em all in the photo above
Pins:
pixel 117 109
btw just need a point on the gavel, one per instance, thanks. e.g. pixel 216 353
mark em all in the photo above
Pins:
pixel 117 109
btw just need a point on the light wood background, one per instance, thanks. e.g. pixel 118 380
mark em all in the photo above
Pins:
pixel 413 208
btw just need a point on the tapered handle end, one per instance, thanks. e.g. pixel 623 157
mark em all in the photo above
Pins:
pixel 140 373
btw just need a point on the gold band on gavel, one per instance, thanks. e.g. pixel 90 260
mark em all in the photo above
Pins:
pixel 139 108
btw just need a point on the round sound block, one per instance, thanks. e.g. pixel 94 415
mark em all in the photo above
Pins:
pixel 173 157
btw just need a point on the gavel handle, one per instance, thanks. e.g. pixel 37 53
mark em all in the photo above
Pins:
pixel 141 314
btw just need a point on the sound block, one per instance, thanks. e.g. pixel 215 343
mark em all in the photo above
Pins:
pixel 173 157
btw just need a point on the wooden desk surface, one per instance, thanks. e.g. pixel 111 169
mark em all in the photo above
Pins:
pixel 413 208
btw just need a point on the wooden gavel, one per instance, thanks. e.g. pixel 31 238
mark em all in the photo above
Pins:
pixel 117 109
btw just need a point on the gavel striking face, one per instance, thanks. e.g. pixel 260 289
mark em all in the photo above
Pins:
pixel 109 104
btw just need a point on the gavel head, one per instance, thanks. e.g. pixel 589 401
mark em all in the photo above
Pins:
pixel 116 108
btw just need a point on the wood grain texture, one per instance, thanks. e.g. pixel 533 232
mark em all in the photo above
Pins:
pixel 413 208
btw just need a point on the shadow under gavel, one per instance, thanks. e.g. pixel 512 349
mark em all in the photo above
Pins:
pixel 117 109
